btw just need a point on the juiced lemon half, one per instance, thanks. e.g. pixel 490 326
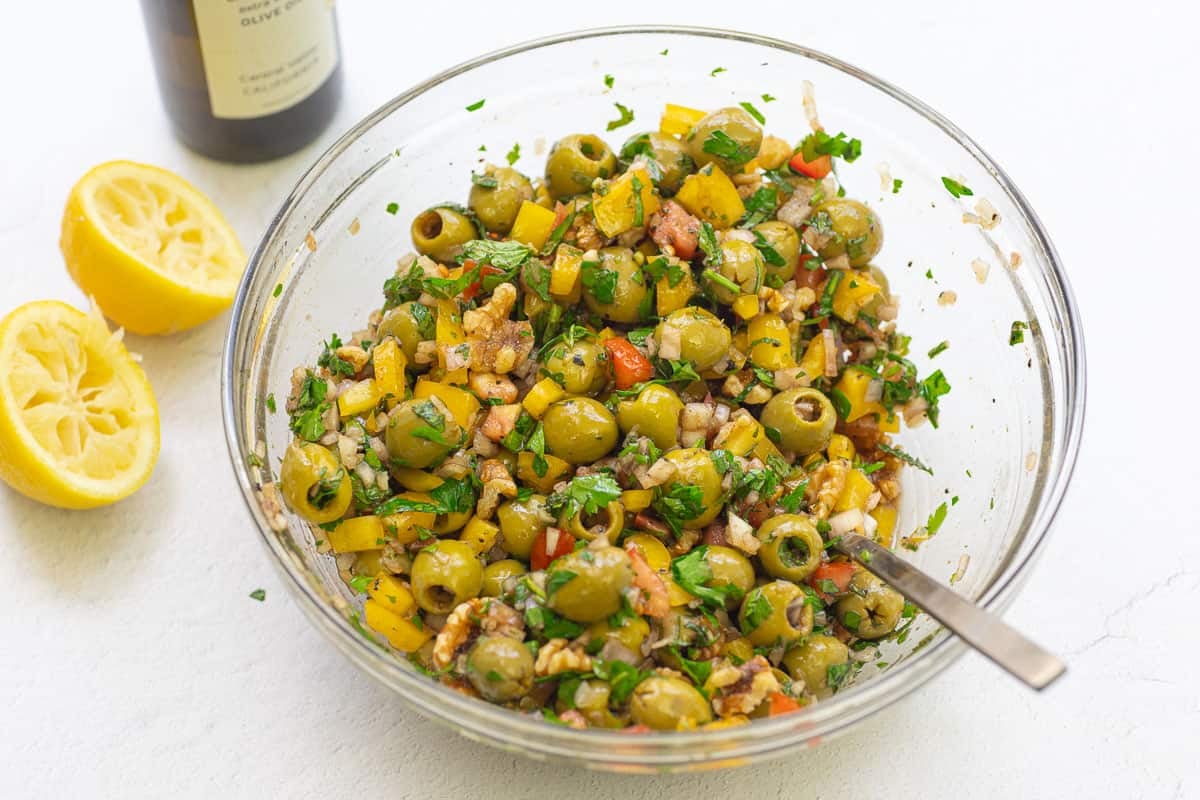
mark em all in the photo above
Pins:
pixel 154 252
pixel 78 419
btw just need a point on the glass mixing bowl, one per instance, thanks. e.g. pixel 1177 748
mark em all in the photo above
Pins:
pixel 1009 429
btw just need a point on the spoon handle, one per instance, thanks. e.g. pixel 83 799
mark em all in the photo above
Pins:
pixel 981 629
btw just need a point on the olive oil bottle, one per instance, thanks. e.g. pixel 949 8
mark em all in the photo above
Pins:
pixel 245 80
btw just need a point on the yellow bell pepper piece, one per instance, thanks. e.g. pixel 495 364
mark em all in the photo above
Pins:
pixel 617 210
pixel 741 437
pixel 355 534
pixel 403 527
pixel 676 594
pixel 533 225
pixel 840 447
pixel 735 721
pixel 416 480
pixel 401 633
pixel 390 362
pixel 565 275
pixel 479 534
pixel 854 495
pixel 358 398
pixel 853 384
pixel 543 393
pixel 463 405
pixel 391 594
pixel 637 499
pixel 556 468
pixel 448 330
pixel 746 306
pixel 854 290
pixel 813 360
pixel 885 523
pixel 368 562
pixel 770 342
pixel 678 120
pixel 711 196
pixel 672 298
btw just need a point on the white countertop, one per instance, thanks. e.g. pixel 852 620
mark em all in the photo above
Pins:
pixel 133 662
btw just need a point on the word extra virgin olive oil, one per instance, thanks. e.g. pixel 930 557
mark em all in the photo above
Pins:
pixel 245 80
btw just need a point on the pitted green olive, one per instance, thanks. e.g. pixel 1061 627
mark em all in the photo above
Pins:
pixel 313 483
pixel 421 432
pixel 851 229
pixel 441 232
pixel 496 574
pixel 654 413
pixel 728 136
pixel 668 704
pixel 775 612
pixel 693 334
pixel 815 660
pixel 694 467
pixel 784 242
pixel 804 417
pixel 445 574
pixel 582 366
pixel 500 667
pixel 579 430
pixel 871 609
pixel 520 523
pixel 497 197
pixel 410 323
pixel 597 586
pixel 575 162
pixel 791 547
pixel 669 155
pixel 741 265
pixel 616 288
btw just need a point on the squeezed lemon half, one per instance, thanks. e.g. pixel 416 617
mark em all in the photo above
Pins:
pixel 78 420
pixel 154 252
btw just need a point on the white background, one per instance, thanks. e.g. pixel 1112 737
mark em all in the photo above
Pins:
pixel 132 662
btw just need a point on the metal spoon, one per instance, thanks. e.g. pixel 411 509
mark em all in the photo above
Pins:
pixel 981 629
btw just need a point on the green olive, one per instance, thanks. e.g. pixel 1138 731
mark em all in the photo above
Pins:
pixel 500 667
pixel 445 574
pixel 854 230
pixel 630 633
pixel 575 162
pixel 791 547
pixel 694 467
pixel 520 523
pixel 785 242
pixel 441 232
pixel 885 296
pixel 579 430
pixel 804 417
pixel 811 660
pixel 421 432
pixel 669 155
pixel 601 576
pixel 313 483
pixel 627 297
pixel 497 205
pixel 775 612
pixel 728 136
pixel 729 568
pixel 410 323
pixel 701 337
pixel 497 573
pixel 654 413
pixel 668 704
pixel 583 366
pixel 871 609
pixel 606 524
pixel 741 264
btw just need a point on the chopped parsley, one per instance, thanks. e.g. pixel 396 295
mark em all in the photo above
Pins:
pixel 759 208
pixel 841 403
pixel 306 421
pixel 766 98
pixel 271 402
pixel 940 347
pixel 722 145
pixel 514 154
pixel 692 572
pixel 757 610
pixel 896 184
pixel 478 104
pixel 911 460
pixel 602 283
pixel 587 493
pixel 708 244
pixel 484 181
pixel 621 121
pixel 608 81
pixel 278 290
pixel 955 188
pixel 717 71
pixel 679 504
pixel 259 595
pixel 392 208
pixel 836 674
pixel 558 579
pixel 819 143
pixel 754 112
pixel 1017 334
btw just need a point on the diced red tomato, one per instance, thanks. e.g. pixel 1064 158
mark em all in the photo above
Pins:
pixel 539 557
pixel 474 287
pixel 629 365
pixel 676 227
pixel 838 572
pixel 818 168
pixel 780 703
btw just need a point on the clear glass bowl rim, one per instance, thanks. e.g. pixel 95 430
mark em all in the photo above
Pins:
pixel 602 748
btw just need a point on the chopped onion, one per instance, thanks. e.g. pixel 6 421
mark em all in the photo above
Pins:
pixel 829 345
pixel 551 539
pixel 864 655
pixel 981 270
pixel 846 521
pixel 870 525
pixel 874 392
pixel 614 650
pixel 961 570
pixel 365 473
pixel 591 694
pixel 885 176
pixel 810 105
pixel 669 343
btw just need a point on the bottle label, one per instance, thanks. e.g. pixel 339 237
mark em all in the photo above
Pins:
pixel 264 56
